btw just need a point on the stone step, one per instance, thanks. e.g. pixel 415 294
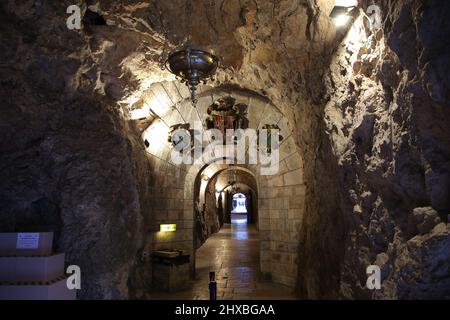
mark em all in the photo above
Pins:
pixel 34 268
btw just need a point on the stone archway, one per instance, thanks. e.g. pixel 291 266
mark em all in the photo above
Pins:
pixel 280 209
pixel 213 171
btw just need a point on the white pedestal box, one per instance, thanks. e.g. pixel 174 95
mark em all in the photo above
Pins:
pixel 29 270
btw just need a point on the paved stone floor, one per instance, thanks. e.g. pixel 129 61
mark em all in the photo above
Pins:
pixel 233 253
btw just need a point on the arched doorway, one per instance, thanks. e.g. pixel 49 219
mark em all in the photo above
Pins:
pixel 227 239
pixel 214 188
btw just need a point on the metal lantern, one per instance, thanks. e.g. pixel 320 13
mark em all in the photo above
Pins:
pixel 192 66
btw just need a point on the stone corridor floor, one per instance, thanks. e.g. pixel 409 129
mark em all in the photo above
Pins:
pixel 233 253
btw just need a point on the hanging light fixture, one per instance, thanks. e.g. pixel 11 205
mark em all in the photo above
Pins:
pixel 193 67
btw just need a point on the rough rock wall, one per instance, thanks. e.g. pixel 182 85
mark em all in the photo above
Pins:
pixel 212 218
pixel 70 163
pixel 388 118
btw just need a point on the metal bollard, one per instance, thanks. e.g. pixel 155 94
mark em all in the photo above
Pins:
pixel 212 286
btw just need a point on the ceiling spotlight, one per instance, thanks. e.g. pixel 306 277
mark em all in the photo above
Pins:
pixel 192 66
pixel 341 15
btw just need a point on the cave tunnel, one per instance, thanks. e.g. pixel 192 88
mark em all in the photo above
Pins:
pixel 342 127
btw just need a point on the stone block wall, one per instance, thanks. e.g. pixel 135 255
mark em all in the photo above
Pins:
pixel 281 208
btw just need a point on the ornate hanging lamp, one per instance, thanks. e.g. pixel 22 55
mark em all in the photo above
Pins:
pixel 193 67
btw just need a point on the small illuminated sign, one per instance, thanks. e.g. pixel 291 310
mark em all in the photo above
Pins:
pixel 167 227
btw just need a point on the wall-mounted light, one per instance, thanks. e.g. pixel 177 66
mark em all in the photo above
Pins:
pixel 168 227
pixel 341 15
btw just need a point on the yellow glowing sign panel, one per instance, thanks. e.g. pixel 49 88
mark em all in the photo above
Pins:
pixel 167 227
